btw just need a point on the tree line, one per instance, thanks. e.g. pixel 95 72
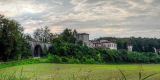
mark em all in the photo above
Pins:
pixel 67 50
pixel 139 44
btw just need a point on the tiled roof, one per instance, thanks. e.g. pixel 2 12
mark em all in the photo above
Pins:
pixel 99 42
pixel 83 34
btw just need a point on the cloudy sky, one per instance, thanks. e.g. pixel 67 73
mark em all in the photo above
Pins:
pixel 116 18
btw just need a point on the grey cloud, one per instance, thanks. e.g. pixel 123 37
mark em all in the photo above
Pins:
pixel 120 18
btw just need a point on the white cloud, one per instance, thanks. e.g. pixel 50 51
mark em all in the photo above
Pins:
pixel 20 7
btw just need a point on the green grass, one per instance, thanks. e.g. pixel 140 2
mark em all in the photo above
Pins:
pixel 46 71
pixel 22 62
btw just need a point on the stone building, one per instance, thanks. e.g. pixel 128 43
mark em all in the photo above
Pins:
pixel 157 50
pixel 103 44
pixel 130 48
pixel 84 37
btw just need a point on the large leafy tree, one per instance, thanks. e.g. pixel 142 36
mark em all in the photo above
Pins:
pixel 43 34
pixel 12 42
pixel 68 36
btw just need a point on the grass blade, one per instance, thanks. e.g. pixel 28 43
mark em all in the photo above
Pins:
pixel 140 75
pixel 123 74
pixel 149 76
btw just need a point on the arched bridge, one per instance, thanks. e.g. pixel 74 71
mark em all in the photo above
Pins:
pixel 39 48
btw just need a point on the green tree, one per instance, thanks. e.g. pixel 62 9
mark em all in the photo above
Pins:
pixel 68 36
pixel 12 40
pixel 43 34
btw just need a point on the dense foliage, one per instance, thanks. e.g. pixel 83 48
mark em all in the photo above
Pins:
pixel 12 41
pixel 77 53
pixel 67 51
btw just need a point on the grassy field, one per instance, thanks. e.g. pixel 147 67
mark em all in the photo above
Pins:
pixel 81 71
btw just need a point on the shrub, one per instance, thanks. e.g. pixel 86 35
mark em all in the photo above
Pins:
pixel 83 54
pixel 54 58
pixel 65 59
pixel 90 61
pixel 73 61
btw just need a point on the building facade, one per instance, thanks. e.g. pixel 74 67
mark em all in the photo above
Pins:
pixel 84 37
pixel 103 44
pixel 130 48
pixel 157 50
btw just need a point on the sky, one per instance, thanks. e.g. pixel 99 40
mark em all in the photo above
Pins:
pixel 99 18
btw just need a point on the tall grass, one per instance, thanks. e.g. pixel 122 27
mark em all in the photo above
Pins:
pixel 80 75
pixel 13 76
pixel 140 77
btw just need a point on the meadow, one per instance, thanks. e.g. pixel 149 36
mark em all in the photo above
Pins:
pixel 48 71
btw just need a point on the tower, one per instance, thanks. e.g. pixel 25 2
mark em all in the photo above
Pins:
pixel 130 48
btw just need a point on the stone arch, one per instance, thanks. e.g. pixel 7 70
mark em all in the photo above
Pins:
pixel 38 51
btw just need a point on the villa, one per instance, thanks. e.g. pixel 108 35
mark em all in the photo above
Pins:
pixel 84 37
pixel 103 44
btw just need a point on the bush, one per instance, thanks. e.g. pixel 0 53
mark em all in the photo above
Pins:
pixel 65 59
pixel 73 61
pixel 90 61
pixel 54 58
pixel 83 54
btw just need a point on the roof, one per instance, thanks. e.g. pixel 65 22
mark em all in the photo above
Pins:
pixel 95 42
pixel 106 42
pixel 83 34
pixel 98 42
